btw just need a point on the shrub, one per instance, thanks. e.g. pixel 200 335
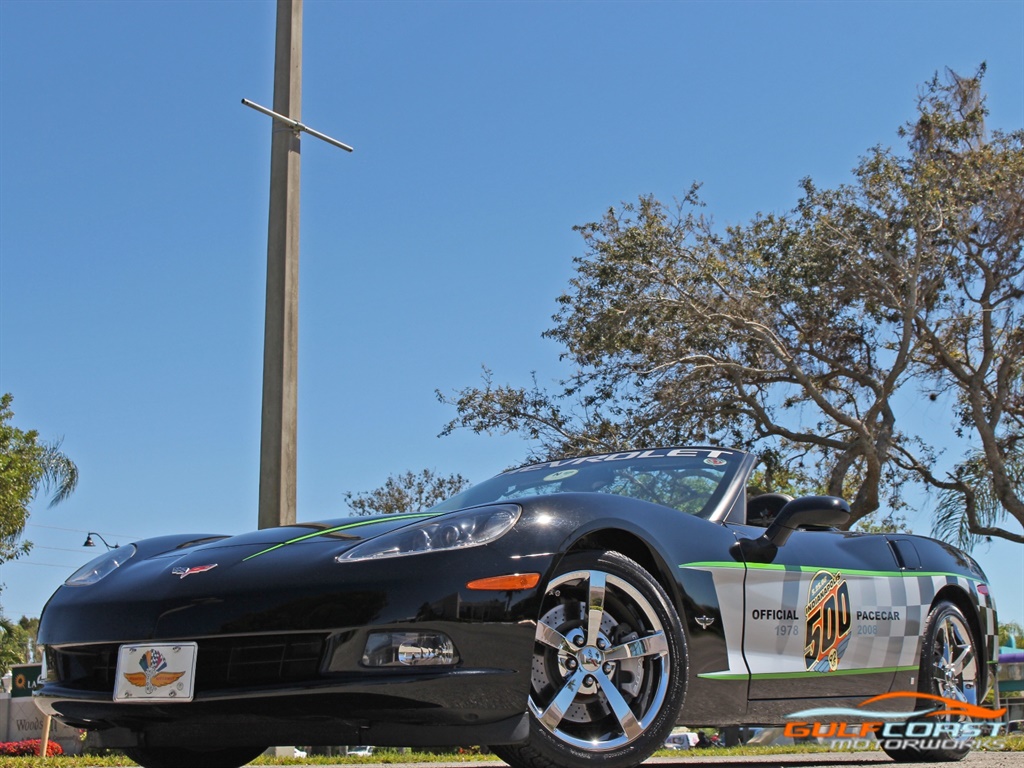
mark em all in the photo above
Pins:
pixel 28 747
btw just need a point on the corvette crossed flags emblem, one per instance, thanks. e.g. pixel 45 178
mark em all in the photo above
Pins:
pixel 182 571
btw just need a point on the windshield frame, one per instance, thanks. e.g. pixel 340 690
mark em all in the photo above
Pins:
pixel 571 475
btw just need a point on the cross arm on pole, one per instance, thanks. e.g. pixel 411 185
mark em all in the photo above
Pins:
pixel 296 126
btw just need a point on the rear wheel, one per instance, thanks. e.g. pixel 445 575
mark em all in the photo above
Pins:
pixel 608 668
pixel 949 668
pixel 182 757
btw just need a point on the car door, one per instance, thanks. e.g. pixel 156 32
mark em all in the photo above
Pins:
pixel 826 617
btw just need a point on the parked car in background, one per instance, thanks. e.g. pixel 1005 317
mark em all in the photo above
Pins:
pixel 680 741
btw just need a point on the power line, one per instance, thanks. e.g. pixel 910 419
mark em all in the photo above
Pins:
pixel 83 530
pixel 59 549
pixel 30 562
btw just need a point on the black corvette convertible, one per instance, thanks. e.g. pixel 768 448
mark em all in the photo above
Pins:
pixel 565 613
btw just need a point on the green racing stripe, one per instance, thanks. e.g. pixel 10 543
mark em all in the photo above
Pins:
pixel 328 531
pixel 797 675
pixel 816 568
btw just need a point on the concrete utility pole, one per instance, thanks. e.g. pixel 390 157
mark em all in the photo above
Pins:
pixel 281 331
pixel 278 437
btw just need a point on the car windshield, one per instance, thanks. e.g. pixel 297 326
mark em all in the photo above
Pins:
pixel 691 480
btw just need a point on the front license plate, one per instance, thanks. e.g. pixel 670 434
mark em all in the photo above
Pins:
pixel 161 672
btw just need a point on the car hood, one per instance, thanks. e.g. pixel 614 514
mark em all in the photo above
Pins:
pixel 341 534
pixel 193 585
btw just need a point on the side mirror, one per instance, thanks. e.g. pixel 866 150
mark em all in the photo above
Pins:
pixel 824 511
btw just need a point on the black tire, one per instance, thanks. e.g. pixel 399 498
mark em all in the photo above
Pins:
pixel 950 667
pixel 182 757
pixel 609 668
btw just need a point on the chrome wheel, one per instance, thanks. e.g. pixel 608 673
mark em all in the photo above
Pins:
pixel 601 663
pixel 954 670
pixel 951 668
pixel 608 670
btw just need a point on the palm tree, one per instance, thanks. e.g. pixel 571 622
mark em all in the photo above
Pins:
pixel 951 522
pixel 59 472
pixel 27 465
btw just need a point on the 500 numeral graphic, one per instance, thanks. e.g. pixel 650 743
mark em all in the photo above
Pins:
pixel 828 621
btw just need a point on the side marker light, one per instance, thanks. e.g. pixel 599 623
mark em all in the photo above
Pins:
pixel 510 583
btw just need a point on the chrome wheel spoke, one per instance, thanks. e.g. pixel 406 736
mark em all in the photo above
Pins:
pixel 595 606
pixel 552 638
pixel 946 644
pixel 963 659
pixel 953 691
pixel 652 645
pixel 627 720
pixel 556 709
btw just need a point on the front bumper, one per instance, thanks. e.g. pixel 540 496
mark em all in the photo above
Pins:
pixel 315 688
pixel 460 706
pixel 285 664
pixel 310 688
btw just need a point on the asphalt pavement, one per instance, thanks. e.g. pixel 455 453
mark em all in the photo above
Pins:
pixel 701 759
pixel 838 759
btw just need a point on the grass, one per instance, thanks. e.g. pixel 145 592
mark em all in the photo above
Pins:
pixel 392 757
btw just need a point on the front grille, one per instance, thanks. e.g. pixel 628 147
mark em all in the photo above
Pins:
pixel 221 663
pixel 228 663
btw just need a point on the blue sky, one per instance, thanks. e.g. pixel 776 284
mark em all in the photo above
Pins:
pixel 133 207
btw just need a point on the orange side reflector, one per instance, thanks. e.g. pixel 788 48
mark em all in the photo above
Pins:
pixel 509 583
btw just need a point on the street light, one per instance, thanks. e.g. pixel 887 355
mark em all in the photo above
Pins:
pixel 90 543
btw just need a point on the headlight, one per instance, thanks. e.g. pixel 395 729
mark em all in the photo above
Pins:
pixel 470 528
pixel 104 565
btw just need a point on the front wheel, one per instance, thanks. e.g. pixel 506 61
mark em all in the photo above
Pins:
pixel 608 673
pixel 180 757
pixel 950 669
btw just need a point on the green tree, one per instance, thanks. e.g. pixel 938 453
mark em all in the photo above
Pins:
pixel 1011 635
pixel 31 627
pixel 12 645
pixel 406 492
pixel 26 466
pixel 800 332
pixel 18 642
